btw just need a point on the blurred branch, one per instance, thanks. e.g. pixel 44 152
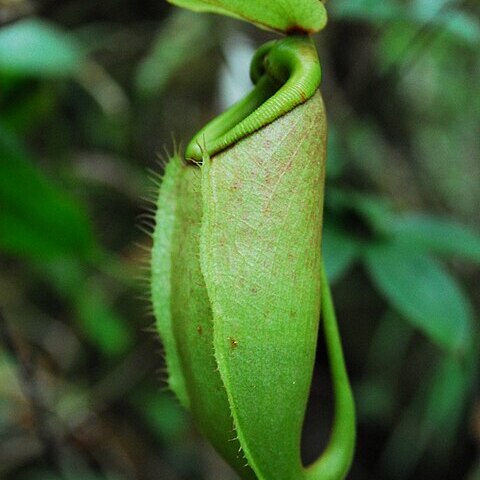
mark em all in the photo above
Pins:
pixel 422 41
pixel 32 391
pixel 10 10
pixel 104 89
pixel 75 420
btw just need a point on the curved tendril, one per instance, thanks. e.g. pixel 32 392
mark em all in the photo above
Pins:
pixel 335 461
pixel 286 73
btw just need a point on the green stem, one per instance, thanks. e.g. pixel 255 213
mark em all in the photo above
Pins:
pixel 335 461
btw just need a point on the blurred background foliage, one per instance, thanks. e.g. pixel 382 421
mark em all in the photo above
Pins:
pixel 90 93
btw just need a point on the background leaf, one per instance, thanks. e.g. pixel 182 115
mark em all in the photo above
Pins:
pixel 100 323
pixel 423 292
pixel 339 252
pixel 434 416
pixel 35 47
pixel 447 398
pixel 38 220
pixel 439 235
pixel 172 48
pixel 371 10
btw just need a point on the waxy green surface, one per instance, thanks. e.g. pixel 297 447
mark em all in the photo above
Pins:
pixel 193 324
pixel 237 279
pixel 260 255
pixel 286 16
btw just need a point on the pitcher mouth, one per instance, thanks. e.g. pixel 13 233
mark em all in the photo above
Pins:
pixel 286 73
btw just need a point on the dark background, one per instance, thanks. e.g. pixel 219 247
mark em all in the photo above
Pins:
pixel 93 93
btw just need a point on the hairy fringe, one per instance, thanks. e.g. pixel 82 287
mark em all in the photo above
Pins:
pixel 143 247
pixel 151 329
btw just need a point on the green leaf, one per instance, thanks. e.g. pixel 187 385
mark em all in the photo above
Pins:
pixel 171 49
pixel 447 399
pixel 339 252
pixel 37 220
pixel 423 292
pixel 433 418
pixel 35 47
pixel 388 347
pixel 378 396
pixel 376 211
pixel 336 154
pixel 163 415
pixel 440 235
pixel 369 10
pixel 96 318
pixel 462 26
pixel 375 400
pixel 282 15
pixel 101 324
